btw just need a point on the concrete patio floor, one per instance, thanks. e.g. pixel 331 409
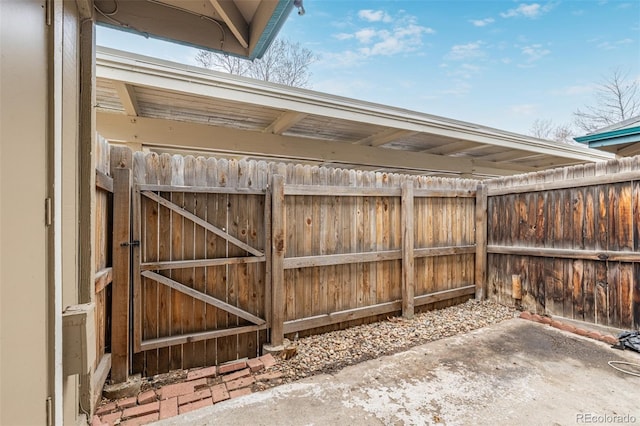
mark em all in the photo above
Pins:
pixel 516 372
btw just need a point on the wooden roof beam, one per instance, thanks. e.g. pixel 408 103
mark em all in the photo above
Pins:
pixel 128 98
pixel 283 123
pixel 384 137
pixel 177 134
pixel 450 148
pixel 506 156
pixel 231 16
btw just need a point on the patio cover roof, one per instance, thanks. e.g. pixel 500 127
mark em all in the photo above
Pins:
pixel 243 28
pixel 621 138
pixel 171 107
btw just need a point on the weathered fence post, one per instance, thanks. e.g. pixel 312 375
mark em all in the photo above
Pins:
pixel 278 249
pixel 121 264
pixel 407 249
pixel 267 253
pixel 481 241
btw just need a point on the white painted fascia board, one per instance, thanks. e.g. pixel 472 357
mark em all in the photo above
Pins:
pixel 151 72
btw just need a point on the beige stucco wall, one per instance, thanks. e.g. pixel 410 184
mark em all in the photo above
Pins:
pixel 23 234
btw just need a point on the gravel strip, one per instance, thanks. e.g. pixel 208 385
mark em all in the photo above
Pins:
pixel 330 352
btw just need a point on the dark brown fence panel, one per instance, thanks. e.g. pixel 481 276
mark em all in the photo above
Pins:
pixel 570 237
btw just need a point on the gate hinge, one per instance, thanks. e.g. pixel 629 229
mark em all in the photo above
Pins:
pixel 130 243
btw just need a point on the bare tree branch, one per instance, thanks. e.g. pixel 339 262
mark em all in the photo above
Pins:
pixel 615 99
pixel 544 128
pixel 284 62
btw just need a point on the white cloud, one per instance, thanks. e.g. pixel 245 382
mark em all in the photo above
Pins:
pixel 482 22
pixel 343 36
pixel 374 15
pixel 531 11
pixel 460 52
pixel 606 45
pixel 534 52
pixel 365 35
pixel 575 90
pixel 524 109
pixel 386 37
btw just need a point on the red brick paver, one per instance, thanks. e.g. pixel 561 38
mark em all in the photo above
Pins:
pixel 141 410
pixel 128 402
pixel 609 340
pixel 146 397
pixel 178 389
pixel 255 364
pixel 95 421
pixel 168 408
pixel 234 366
pixel 195 405
pixel 219 393
pixel 567 327
pixel 107 408
pixel 137 421
pixel 236 375
pixel 196 396
pixel 239 392
pixel 268 360
pixel 112 417
pixel 240 383
pixel 202 372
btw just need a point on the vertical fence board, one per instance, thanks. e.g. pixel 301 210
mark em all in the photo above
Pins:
pixel 278 253
pixel 199 252
pixel 164 253
pixel 216 248
pixel 407 233
pixel 120 286
pixel 150 254
pixel 177 253
pixel 481 242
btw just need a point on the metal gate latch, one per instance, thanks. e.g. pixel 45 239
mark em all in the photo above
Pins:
pixel 132 243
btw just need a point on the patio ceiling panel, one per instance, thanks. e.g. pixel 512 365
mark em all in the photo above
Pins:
pixel 318 127
pixel 265 120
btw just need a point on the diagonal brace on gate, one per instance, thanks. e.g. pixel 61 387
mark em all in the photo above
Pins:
pixel 206 225
pixel 210 300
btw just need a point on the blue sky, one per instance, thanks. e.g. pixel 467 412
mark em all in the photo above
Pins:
pixel 497 63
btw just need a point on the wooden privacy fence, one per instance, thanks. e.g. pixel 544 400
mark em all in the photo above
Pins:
pixel 230 255
pixel 568 240
pixel 213 258
pixel 103 264
pixel 349 245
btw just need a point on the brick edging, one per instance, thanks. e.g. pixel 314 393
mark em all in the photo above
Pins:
pixel 201 388
pixel 606 338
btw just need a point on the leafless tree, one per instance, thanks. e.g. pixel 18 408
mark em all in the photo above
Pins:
pixel 222 62
pixel 544 128
pixel 616 99
pixel 284 62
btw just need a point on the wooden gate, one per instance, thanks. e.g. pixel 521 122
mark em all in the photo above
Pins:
pixel 199 274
